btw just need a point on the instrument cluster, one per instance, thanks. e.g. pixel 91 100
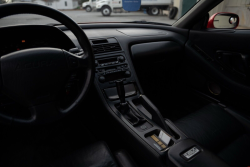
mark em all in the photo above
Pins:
pixel 25 37
pixel 24 43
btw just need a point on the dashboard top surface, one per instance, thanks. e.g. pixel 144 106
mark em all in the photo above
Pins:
pixel 20 37
pixel 128 36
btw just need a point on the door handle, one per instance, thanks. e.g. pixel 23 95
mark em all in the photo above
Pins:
pixel 238 62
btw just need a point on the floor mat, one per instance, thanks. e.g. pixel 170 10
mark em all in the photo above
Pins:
pixel 38 146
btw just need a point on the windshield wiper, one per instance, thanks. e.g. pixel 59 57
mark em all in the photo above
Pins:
pixel 147 22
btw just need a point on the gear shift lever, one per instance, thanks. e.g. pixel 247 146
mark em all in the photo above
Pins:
pixel 120 90
pixel 121 93
pixel 128 112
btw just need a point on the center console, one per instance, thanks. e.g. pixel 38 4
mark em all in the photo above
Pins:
pixel 157 138
pixel 116 81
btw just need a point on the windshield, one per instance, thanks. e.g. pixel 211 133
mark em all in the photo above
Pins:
pixel 81 11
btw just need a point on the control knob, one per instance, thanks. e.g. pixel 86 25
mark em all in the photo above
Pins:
pixel 121 59
pixel 101 79
pixel 127 73
pixel 96 63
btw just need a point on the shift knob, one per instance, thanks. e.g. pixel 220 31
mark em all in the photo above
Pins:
pixel 120 90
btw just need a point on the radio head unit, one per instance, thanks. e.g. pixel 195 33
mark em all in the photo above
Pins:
pixel 112 68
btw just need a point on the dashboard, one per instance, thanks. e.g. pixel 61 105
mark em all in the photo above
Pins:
pixel 25 37
pixel 121 53
pixel 120 38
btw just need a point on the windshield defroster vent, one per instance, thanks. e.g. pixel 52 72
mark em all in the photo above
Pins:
pixel 103 48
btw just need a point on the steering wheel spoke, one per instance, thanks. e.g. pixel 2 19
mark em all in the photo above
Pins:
pixel 77 61
pixel 44 113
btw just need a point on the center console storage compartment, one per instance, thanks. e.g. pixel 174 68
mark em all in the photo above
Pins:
pixel 159 139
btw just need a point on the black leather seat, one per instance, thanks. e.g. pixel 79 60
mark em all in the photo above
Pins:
pixel 220 132
pixel 95 155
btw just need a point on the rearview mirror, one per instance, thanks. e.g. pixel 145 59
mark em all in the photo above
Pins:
pixel 223 20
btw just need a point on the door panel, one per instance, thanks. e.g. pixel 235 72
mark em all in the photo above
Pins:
pixel 220 57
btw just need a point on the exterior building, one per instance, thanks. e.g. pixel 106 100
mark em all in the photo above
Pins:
pixel 57 4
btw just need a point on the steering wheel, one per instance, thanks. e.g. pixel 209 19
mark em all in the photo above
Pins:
pixel 34 77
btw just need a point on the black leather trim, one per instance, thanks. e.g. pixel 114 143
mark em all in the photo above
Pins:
pixel 211 126
pixel 216 128
pixel 204 158
pixel 243 119
pixel 97 155
pixel 124 159
pixel 237 153
pixel 176 129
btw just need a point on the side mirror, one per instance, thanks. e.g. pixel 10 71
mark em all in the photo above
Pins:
pixel 223 20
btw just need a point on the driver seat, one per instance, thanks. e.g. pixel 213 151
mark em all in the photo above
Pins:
pixel 95 155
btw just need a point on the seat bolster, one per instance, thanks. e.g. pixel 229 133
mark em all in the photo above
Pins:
pixel 95 155
pixel 237 153
pixel 124 159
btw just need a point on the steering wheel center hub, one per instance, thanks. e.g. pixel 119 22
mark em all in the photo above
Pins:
pixel 34 76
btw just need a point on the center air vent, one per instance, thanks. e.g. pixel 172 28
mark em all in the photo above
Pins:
pixel 105 45
pixel 103 48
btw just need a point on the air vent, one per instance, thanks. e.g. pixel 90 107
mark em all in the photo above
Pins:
pixel 99 41
pixel 103 48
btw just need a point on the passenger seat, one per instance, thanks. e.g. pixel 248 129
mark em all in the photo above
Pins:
pixel 219 132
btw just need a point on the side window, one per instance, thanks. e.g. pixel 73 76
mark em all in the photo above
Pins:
pixel 224 18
